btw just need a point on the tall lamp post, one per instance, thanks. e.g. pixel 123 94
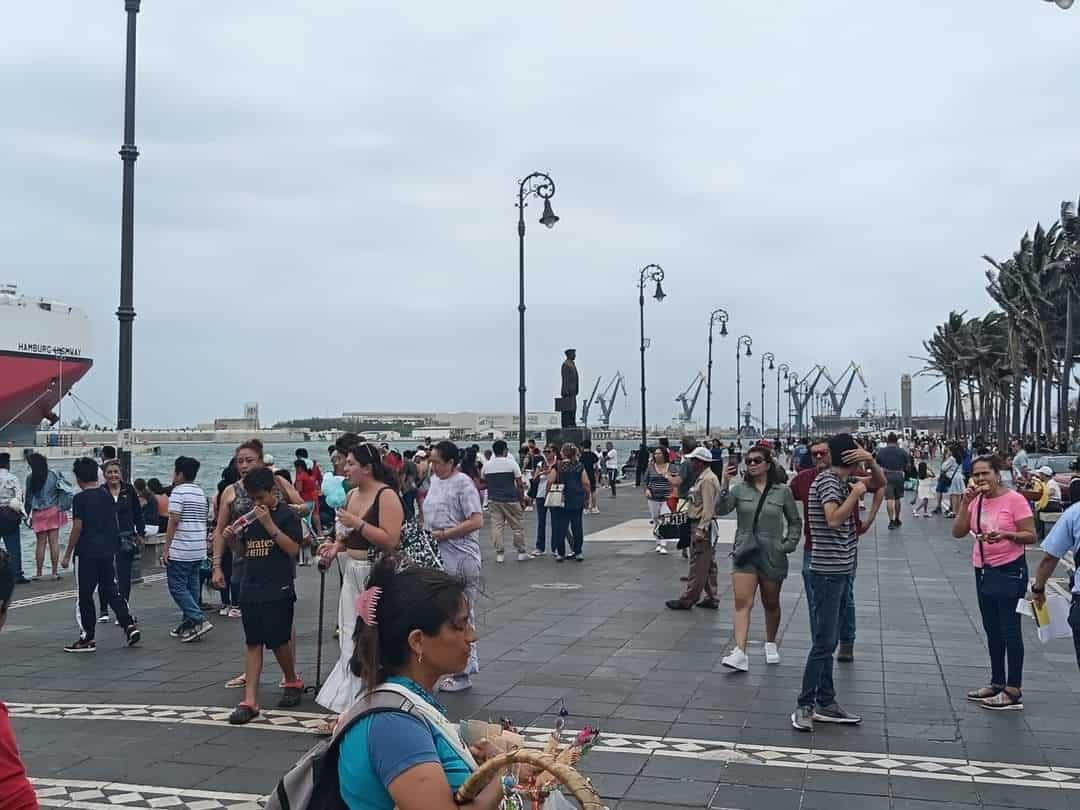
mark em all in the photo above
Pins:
pixel 770 357
pixel 744 340
pixel 540 185
pixel 125 314
pixel 718 316
pixel 1065 4
pixel 784 370
pixel 650 272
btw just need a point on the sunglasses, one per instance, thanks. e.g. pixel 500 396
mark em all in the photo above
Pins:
pixel 755 460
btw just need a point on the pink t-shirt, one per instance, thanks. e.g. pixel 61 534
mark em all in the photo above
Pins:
pixel 998 514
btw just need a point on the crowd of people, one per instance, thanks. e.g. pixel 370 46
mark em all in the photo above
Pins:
pixel 405 544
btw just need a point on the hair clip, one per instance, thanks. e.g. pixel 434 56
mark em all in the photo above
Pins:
pixel 367 603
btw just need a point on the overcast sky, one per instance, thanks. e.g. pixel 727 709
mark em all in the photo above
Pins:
pixel 325 194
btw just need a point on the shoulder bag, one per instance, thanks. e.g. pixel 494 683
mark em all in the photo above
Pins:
pixel 751 546
pixel 556 493
pixel 1007 581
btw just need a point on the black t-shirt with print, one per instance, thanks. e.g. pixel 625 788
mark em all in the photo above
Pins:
pixel 100 535
pixel 269 571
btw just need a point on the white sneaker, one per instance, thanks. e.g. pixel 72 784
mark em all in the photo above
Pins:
pixel 737 661
pixel 522 556
pixel 662 548
pixel 772 653
pixel 658 547
pixel 499 557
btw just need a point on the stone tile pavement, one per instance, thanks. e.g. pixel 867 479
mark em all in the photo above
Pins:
pixel 145 727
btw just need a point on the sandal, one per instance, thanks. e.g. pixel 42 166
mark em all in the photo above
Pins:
pixel 1004 701
pixel 291 696
pixel 244 713
pixel 985 693
pixel 239 682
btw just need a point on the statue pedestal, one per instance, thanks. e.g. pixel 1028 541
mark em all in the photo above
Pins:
pixel 574 435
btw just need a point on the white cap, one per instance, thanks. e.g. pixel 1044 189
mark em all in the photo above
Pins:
pixel 701 454
pixel 1047 471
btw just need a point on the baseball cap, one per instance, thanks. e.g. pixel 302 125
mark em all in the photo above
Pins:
pixel 1047 471
pixel 701 454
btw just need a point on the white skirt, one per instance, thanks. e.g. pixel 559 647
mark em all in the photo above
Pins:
pixel 342 688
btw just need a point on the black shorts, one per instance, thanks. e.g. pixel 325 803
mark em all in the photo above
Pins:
pixel 268 624
pixel 894 485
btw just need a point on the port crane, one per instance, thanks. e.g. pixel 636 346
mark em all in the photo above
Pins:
pixel 802 393
pixel 606 399
pixel 588 402
pixel 688 401
pixel 838 403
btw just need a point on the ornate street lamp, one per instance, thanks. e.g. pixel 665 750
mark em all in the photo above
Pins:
pixel 542 186
pixel 770 357
pixel 781 370
pixel 650 272
pixel 717 316
pixel 744 340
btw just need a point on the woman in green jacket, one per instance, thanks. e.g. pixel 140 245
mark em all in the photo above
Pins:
pixel 776 534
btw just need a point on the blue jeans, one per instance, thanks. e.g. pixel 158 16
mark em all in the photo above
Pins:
pixel 1004 638
pixel 847 612
pixel 541 525
pixel 561 521
pixel 184 588
pixel 830 592
pixel 14 550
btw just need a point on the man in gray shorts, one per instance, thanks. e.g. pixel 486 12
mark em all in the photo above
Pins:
pixel 893 460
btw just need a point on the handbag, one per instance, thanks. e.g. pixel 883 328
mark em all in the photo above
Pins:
pixel 65 492
pixel 669 526
pixel 419 547
pixel 1008 581
pixel 751 546
pixel 556 494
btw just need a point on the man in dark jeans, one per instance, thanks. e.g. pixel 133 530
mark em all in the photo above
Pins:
pixel 832 507
pixel 1063 538
pixel 95 540
pixel 10 520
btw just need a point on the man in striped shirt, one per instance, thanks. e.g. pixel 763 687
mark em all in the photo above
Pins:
pixel 185 548
pixel 832 508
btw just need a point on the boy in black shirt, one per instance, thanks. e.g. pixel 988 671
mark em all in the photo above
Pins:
pixel 267 596
pixel 95 540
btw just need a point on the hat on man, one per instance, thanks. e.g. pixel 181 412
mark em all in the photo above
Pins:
pixel 1045 471
pixel 701 454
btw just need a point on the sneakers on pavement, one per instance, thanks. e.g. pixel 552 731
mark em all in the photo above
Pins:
pixel 132 634
pixel 737 661
pixel 522 556
pixel 983 693
pixel 834 713
pixel 456 683
pixel 81 646
pixel 499 557
pixel 802 719
pixel 772 653
pixel 103 618
pixel 180 628
pixel 845 653
pixel 1004 701
pixel 194 631
pixel 244 713
pixel 536 553
pixel 709 604
pixel 675 604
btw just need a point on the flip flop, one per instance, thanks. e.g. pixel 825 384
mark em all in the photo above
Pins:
pixel 239 682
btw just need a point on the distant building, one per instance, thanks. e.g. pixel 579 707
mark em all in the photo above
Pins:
pixel 249 421
pixel 460 424
pixel 905 400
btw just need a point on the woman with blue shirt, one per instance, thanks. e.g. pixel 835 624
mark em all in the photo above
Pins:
pixel 46 516
pixel 413 628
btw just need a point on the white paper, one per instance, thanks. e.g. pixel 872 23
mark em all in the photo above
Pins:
pixel 1059 619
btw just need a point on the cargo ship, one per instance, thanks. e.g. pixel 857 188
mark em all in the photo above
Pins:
pixel 45 349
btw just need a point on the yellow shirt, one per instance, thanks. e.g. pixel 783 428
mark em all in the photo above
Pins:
pixel 1043 491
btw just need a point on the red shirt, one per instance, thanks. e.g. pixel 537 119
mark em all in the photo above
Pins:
pixel 305 485
pixel 800 489
pixel 15 790
pixel 316 473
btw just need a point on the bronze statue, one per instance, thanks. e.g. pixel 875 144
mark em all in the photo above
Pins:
pixel 566 404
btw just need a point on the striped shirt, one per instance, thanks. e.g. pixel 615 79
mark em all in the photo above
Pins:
pixel 832 550
pixel 188 502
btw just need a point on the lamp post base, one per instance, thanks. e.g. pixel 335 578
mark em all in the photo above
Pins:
pixel 572 435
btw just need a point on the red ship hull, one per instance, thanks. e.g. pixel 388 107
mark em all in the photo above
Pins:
pixel 31 386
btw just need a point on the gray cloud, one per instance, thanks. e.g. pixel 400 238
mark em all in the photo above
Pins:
pixel 325 195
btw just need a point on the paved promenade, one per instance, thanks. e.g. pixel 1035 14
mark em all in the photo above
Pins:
pixel 146 727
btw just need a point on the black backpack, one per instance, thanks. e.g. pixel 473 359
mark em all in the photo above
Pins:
pixel 312 783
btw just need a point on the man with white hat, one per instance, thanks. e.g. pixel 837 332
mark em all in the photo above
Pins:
pixel 702 510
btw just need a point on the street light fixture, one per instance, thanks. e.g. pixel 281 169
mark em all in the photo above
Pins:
pixel 650 272
pixel 1063 4
pixel 744 340
pixel 770 357
pixel 538 184
pixel 125 314
pixel 717 316
pixel 781 370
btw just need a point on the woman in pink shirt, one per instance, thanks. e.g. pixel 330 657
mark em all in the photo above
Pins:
pixel 1002 525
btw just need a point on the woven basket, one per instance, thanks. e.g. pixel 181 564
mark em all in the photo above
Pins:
pixel 574 782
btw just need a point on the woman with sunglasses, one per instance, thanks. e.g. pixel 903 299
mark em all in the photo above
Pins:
pixel 1002 524
pixel 769 525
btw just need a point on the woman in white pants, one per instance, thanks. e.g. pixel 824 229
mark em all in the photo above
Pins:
pixel 658 490
pixel 371 521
